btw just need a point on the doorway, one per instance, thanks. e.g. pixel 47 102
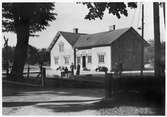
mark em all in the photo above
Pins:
pixel 83 61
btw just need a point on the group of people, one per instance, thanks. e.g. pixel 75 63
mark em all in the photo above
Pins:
pixel 118 70
pixel 72 67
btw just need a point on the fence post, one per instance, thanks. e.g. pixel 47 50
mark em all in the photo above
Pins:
pixel 6 56
pixel 7 68
pixel 28 71
pixel 109 88
pixel 43 76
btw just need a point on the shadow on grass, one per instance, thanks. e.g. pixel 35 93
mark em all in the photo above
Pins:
pixel 15 104
pixel 135 99
pixel 132 99
pixel 17 90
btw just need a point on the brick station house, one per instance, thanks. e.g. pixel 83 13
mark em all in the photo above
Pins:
pixel 99 49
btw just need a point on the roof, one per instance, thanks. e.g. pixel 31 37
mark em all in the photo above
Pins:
pixel 99 39
pixel 69 36
pixel 82 40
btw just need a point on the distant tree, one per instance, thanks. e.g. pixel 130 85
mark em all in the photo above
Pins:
pixel 25 19
pixel 149 53
pixel 7 55
pixel 44 56
pixel 97 9
pixel 32 55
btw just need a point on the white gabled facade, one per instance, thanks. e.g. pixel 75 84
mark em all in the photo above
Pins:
pixel 122 45
pixel 94 52
pixel 58 54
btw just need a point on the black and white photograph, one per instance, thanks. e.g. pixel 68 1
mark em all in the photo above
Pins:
pixel 83 58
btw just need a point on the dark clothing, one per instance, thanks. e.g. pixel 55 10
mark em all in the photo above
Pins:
pixel 78 69
pixel 66 70
pixel 72 69
pixel 119 68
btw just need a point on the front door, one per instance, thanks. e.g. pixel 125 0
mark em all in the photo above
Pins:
pixel 83 61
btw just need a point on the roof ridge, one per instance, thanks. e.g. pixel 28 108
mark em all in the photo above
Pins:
pixel 71 32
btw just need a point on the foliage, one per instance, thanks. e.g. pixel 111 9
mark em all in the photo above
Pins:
pixel 7 54
pixel 34 55
pixel 149 53
pixel 35 15
pixel 25 19
pixel 101 69
pixel 97 9
pixel 44 56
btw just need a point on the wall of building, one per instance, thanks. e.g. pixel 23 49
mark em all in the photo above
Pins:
pixel 94 52
pixel 68 51
pixel 127 49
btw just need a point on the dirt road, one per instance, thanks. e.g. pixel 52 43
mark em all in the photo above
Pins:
pixel 36 101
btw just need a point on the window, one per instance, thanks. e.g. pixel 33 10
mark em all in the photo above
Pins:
pixel 78 60
pixel 89 59
pixel 56 60
pixel 67 60
pixel 101 58
pixel 61 47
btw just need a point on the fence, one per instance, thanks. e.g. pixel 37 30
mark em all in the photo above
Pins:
pixel 35 77
pixel 144 84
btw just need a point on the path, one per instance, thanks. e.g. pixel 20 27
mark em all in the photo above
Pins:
pixel 35 101
pixel 30 101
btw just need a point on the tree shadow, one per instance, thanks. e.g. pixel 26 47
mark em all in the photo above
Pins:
pixel 133 99
pixel 45 103
pixel 16 90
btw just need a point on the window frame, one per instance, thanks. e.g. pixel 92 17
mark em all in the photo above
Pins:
pixel 89 59
pixel 100 58
pixel 61 47
pixel 66 60
pixel 56 60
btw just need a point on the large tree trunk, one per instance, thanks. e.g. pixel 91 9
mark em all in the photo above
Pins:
pixel 20 56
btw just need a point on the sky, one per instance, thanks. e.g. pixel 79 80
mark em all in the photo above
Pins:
pixel 71 15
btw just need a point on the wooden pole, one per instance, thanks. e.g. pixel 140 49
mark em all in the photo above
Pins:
pixel 43 76
pixel 164 13
pixel 109 88
pixel 28 71
pixel 6 56
pixel 142 43
pixel 157 67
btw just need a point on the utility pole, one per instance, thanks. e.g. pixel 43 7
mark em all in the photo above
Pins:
pixel 6 56
pixel 164 13
pixel 157 67
pixel 142 42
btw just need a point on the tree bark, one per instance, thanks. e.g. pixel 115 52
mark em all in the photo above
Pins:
pixel 20 55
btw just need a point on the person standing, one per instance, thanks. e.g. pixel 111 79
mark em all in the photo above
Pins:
pixel 78 70
pixel 72 68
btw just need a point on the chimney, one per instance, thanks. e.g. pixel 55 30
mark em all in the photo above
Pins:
pixel 75 30
pixel 111 28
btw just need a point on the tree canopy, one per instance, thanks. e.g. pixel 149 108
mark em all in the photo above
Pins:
pixel 25 19
pixel 97 9
pixel 35 15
